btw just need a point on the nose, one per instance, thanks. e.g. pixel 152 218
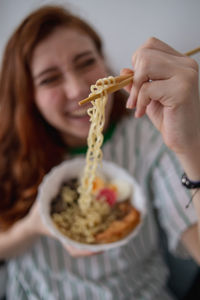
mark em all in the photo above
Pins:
pixel 76 87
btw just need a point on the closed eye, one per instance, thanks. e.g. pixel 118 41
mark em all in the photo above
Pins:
pixel 50 80
pixel 86 63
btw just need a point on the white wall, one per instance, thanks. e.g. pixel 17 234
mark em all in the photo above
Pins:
pixel 124 24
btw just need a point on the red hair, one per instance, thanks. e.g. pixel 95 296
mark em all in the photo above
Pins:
pixel 30 147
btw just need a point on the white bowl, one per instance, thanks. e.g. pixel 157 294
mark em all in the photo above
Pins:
pixel 50 187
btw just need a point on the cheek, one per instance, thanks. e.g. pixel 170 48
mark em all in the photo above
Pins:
pixel 46 100
pixel 99 72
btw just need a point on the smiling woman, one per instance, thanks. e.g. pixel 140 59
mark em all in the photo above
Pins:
pixel 62 78
pixel 56 65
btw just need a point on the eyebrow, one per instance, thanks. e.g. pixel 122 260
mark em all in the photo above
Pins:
pixel 53 69
pixel 83 54
pixel 48 70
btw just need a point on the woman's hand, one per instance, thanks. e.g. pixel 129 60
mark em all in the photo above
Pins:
pixel 36 225
pixel 165 87
pixel 22 234
pixel 78 253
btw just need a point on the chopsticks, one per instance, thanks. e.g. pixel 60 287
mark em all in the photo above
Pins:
pixel 193 51
pixel 122 81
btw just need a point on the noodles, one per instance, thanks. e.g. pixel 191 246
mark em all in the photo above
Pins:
pixel 95 140
pixel 70 220
pixel 103 223
pixel 90 213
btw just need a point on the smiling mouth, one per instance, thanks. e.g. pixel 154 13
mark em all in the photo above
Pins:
pixel 78 113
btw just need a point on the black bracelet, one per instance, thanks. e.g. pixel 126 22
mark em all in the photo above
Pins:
pixel 189 184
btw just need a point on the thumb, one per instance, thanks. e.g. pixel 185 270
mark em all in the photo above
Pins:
pixel 126 71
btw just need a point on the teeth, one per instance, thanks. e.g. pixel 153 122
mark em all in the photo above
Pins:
pixel 79 112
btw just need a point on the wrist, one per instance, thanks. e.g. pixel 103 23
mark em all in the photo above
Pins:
pixel 29 228
pixel 191 164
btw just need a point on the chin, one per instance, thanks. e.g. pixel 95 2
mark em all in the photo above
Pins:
pixel 81 135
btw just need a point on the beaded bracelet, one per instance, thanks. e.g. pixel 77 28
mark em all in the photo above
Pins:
pixel 189 184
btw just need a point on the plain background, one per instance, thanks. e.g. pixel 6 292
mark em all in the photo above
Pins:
pixel 123 25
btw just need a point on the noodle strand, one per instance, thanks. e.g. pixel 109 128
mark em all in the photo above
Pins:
pixel 95 139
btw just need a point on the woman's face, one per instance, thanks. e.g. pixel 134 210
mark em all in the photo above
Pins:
pixel 63 66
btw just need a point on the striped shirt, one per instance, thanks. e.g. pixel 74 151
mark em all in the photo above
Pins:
pixel 134 271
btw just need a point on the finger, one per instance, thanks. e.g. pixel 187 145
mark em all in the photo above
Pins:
pixel 132 99
pixel 153 65
pixel 143 100
pixel 149 66
pixel 153 91
pixel 126 71
pixel 156 44
pixel 78 253
pixel 129 88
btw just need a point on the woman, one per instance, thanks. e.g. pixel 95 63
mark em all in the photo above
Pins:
pixel 49 64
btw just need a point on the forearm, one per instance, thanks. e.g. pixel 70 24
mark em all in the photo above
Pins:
pixel 16 240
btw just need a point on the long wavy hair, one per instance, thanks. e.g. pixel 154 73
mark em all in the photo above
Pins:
pixel 30 147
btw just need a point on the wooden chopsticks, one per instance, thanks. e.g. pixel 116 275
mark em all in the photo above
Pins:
pixel 122 81
pixel 193 51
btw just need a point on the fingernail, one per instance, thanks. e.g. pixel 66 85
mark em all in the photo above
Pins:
pixel 129 103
